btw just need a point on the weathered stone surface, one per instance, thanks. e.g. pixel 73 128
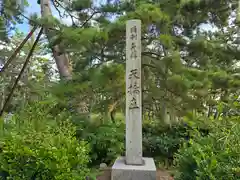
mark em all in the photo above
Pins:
pixel 121 171
pixel 133 166
pixel 133 93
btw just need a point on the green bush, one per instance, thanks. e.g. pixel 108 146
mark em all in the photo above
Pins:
pixel 36 145
pixel 162 142
pixel 213 157
pixel 106 142
pixel 107 139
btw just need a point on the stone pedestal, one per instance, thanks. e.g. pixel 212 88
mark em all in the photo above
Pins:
pixel 121 171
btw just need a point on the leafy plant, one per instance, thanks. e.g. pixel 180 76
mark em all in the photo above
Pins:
pixel 106 142
pixel 41 146
pixel 213 157
pixel 162 142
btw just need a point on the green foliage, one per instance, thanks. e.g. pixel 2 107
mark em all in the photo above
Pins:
pixel 80 5
pixel 9 16
pixel 34 78
pixel 162 142
pixel 106 141
pixel 37 145
pixel 215 156
pixel 189 73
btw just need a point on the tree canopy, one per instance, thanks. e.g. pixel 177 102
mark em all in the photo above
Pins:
pixel 73 89
pixel 190 53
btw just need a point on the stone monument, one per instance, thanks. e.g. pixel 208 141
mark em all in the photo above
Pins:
pixel 133 166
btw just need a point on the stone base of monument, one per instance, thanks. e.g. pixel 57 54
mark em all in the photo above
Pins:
pixel 121 171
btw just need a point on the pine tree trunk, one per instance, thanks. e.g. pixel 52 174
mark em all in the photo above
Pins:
pixel 61 58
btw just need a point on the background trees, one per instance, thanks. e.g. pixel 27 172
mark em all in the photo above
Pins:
pixel 190 63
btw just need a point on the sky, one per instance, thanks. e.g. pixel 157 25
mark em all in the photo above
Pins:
pixel 35 8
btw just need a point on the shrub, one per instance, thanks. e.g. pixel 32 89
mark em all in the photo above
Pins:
pixel 212 157
pixel 36 145
pixel 107 139
pixel 161 142
pixel 106 142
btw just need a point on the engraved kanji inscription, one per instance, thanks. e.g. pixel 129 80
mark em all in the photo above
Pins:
pixel 133 46
pixel 133 36
pixel 133 89
pixel 133 74
pixel 133 104
pixel 133 31
pixel 133 51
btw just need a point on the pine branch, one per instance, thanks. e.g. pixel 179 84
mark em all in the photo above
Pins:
pixel 21 72
pixel 11 58
pixel 56 4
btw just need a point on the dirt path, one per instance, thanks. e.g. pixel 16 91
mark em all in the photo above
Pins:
pixel 161 175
